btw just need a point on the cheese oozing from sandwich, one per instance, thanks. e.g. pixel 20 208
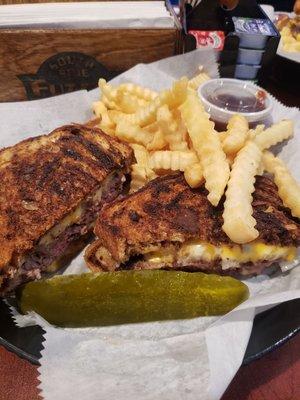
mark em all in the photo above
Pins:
pixel 195 250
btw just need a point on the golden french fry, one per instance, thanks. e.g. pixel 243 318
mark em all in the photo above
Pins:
pixel 111 105
pixel 237 130
pixel 275 134
pixel 252 133
pixel 195 82
pixel 239 224
pixel 140 175
pixel 107 90
pixel 106 124
pixel 176 95
pixel 194 175
pixel 137 90
pixel 132 133
pixel 261 168
pixel 163 113
pixel 99 108
pixel 207 144
pixel 158 141
pixel 172 97
pixel 288 187
pixel 141 154
pixel 173 130
pixel 172 160
pixel 129 103
pixel 222 135
pixel 231 158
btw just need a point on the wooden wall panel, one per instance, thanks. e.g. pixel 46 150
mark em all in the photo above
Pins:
pixel 22 52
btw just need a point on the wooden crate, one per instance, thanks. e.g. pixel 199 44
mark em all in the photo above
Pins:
pixel 39 63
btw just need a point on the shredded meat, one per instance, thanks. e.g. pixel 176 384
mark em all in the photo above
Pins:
pixel 42 256
pixel 211 267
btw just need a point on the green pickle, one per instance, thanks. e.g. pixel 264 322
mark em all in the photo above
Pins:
pixel 111 298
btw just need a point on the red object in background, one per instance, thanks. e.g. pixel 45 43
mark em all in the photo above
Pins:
pixel 210 39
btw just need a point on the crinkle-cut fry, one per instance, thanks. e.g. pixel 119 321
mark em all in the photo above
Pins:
pixel 99 108
pixel 132 133
pixel 129 103
pixel 117 116
pixel 107 90
pixel 173 130
pixel 172 160
pixel 110 104
pixel 207 144
pixel 177 140
pixel 222 135
pixel 275 134
pixel 140 175
pixel 139 91
pixel 141 154
pixel 163 113
pixel 288 187
pixel 158 141
pixel 252 133
pixel 237 132
pixel 195 82
pixel 239 224
pixel 106 124
pixel 172 97
pixel 261 168
pixel 230 158
pixel 194 175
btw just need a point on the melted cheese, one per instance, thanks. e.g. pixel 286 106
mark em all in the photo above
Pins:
pixel 69 220
pixel 196 250
pixel 166 256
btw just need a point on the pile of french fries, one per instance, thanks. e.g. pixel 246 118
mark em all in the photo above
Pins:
pixel 171 131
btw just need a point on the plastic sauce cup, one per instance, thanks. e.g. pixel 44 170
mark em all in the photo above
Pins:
pixel 222 98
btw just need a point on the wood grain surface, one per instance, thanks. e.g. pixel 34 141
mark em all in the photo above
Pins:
pixel 24 51
pixel 273 377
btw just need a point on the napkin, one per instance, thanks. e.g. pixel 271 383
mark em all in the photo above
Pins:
pixel 167 360
pixel 91 15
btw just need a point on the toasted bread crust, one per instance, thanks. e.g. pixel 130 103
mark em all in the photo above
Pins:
pixel 168 210
pixel 44 178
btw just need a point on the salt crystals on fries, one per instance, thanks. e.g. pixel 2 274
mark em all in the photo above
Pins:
pixel 170 130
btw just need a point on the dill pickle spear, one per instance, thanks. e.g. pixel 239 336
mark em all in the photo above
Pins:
pixel 111 298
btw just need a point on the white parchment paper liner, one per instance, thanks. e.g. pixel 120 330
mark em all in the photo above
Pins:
pixel 191 359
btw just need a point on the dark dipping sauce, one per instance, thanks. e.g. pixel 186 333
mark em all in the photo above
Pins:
pixel 242 103
pixel 239 104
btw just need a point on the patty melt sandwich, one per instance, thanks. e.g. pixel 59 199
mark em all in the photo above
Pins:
pixel 168 225
pixel 52 188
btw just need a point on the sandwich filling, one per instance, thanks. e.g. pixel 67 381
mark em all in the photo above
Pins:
pixel 196 255
pixel 168 225
pixel 71 234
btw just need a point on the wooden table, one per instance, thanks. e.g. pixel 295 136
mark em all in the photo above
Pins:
pixel 273 377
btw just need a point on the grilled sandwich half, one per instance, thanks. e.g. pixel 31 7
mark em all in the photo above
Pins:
pixel 168 225
pixel 52 188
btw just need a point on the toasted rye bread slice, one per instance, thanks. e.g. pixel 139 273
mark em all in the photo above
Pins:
pixel 168 210
pixel 44 178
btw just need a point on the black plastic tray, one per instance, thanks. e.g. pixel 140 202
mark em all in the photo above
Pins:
pixel 271 329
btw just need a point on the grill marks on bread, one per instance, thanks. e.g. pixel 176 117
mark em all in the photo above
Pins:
pixel 45 178
pixel 168 210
